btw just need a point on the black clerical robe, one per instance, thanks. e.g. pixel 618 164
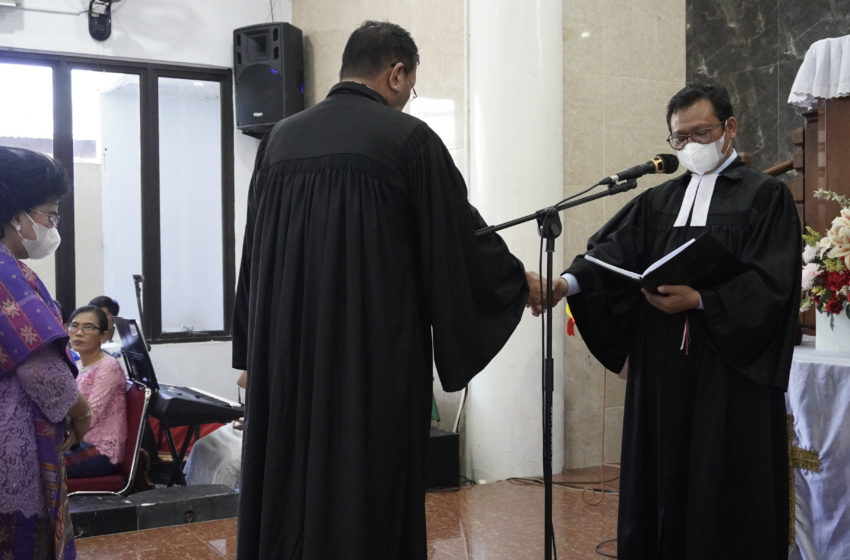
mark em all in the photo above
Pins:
pixel 359 251
pixel 704 455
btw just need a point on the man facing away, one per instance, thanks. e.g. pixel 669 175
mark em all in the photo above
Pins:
pixel 359 253
pixel 704 455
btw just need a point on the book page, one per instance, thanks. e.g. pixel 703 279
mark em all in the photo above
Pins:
pixel 617 269
pixel 668 256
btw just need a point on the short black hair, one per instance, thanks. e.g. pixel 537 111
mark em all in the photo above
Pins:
pixel 106 302
pixel 98 312
pixel 695 91
pixel 28 179
pixel 375 45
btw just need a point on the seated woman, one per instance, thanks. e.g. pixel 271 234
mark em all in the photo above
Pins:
pixel 101 381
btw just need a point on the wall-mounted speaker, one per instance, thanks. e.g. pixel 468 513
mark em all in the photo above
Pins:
pixel 268 70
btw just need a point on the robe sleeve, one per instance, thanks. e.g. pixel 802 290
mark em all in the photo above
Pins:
pixel 606 308
pixel 241 302
pixel 475 289
pixel 752 318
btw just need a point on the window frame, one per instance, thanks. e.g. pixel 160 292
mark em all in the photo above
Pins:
pixel 63 150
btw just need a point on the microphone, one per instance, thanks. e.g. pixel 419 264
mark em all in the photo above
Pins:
pixel 662 163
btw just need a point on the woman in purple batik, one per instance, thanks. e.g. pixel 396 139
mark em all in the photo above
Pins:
pixel 41 410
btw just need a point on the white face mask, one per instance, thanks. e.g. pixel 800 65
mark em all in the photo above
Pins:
pixel 45 243
pixel 702 158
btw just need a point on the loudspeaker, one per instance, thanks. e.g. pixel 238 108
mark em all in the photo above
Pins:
pixel 175 505
pixel 268 69
pixel 442 469
pixel 94 515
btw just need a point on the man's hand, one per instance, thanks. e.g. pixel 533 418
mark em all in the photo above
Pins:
pixel 676 298
pixel 537 292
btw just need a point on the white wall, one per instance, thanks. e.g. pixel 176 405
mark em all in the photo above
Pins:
pixel 177 31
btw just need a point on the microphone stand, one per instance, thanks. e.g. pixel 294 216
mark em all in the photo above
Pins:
pixel 549 227
pixel 138 280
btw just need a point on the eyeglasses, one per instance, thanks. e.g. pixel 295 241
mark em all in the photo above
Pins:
pixel 701 136
pixel 87 328
pixel 52 217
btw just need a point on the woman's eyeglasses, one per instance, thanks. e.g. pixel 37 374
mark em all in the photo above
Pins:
pixel 87 328
pixel 52 217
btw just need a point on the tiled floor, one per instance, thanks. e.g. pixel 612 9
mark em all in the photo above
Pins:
pixel 502 520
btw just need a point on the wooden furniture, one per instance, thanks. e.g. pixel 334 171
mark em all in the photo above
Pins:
pixel 822 161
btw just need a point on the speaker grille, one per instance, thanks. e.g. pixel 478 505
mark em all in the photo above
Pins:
pixel 259 93
pixel 268 73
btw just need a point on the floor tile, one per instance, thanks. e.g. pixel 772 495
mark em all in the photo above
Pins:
pixel 502 520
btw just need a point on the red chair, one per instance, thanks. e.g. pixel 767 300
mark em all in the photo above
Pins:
pixel 120 483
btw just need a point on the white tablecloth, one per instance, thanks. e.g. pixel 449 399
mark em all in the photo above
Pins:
pixel 819 399
pixel 824 73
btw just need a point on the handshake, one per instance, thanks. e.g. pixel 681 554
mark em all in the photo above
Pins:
pixel 537 292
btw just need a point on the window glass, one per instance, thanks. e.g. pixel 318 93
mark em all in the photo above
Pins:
pixel 190 205
pixel 107 186
pixel 26 121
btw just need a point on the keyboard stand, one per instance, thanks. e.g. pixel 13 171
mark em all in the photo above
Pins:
pixel 177 476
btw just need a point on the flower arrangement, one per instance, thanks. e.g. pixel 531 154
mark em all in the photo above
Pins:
pixel 826 263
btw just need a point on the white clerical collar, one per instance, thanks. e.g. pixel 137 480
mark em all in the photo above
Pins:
pixel 698 195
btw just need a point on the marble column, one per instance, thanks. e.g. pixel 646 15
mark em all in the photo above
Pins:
pixel 515 84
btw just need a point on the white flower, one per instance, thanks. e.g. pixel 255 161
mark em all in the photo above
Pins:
pixel 809 253
pixel 810 272
pixel 839 237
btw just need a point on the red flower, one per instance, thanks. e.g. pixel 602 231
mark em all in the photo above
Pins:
pixel 834 306
pixel 833 281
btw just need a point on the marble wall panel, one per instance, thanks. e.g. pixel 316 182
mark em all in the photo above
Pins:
pixel 642 39
pixel 583 433
pixel 802 23
pixel 727 36
pixel 753 94
pixel 754 49
pixel 438 27
pixel 622 62
pixel 611 433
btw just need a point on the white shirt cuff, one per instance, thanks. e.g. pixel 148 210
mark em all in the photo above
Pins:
pixel 573 286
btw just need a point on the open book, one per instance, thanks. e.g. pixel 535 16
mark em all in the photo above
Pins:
pixel 697 262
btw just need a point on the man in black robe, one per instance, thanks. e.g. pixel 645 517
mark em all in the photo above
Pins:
pixel 359 251
pixel 704 456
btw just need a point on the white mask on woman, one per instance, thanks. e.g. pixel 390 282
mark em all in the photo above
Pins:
pixel 702 158
pixel 45 243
